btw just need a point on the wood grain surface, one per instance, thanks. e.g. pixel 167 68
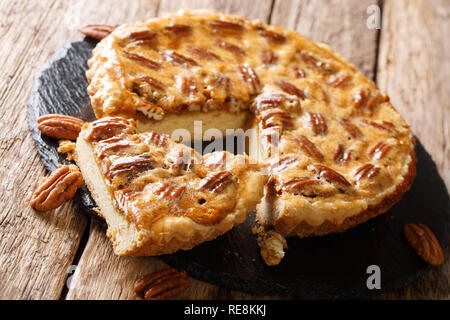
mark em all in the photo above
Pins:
pixel 408 58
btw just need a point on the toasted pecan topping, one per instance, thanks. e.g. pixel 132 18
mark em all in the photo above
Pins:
pixel 339 80
pixel 226 27
pixel 60 186
pixel 203 53
pixel 161 285
pixel 276 117
pixel 249 75
pixel 309 148
pixel 318 123
pixel 216 181
pixel 299 73
pixel 146 62
pixel 298 184
pixel 143 36
pixel 289 88
pixel 351 129
pixel 60 126
pixel 271 36
pixel 107 127
pixel 424 243
pixel 170 190
pixel 179 29
pixel 379 150
pixel 331 175
pixel 315 63
pixel 157 139
pixel 382 125
pixel 341 155
pixel 268 57
pixel 178 59
pixel 188 85
pixel 111 144
pixel 230 47
pixel 363 98
pixel 97 31
pixel 130 164
pixel 151 81
pixel 283 163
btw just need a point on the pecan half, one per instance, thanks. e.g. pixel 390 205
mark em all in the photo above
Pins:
pixel 168 190
pixel 318 123
pixel 157 139
pixel 178 59
pixel 379 150
pixel 131 164
pixel 60 126
pixel 271 36
pixel 296 185
pixel 250 76
pixel 362 98
pixel 351 129
pixel 216 181
pixel 283 163
pixel 188 85
pixel 97 31
pixel 108 127
pixel 341 156
pixel 383 125
pixel 152 82
pixel 60 186
pixel 338 80
pixel 179 29
pixel 230 47
pixel 113 143
pixel 312 61
pixel 366 171
pixel 143 36
pixel 161 285
pixel 291 89
pixel 268 57
pixel 276 117
pixel 226 27
pixel 203 53
pixel 146 62
pixel 424 243
pixel 330 175
pixel 309 148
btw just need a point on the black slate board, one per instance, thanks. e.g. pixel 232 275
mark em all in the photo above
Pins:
pixel 329 267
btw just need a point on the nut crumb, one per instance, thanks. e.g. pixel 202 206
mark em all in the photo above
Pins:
pixel 67 147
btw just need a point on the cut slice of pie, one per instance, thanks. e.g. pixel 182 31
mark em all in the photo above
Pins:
pixel 159 196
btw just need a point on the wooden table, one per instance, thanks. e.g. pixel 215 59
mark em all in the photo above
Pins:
pixel 408 58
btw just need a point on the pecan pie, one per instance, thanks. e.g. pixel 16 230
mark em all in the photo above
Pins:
pixel 338 152
pixel 158 196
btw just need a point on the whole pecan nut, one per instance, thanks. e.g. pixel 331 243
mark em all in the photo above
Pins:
pixel 60 126
pixel 161 285
pixel 60 186
pixel 424 242
pixel 97 31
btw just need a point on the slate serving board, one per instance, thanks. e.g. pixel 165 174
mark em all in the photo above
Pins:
pixel 329 267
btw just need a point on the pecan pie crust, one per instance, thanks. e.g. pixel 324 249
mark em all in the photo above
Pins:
pixel 338 152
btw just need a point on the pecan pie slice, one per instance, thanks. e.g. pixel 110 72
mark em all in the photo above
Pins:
pixel 159 196
pixel 338 152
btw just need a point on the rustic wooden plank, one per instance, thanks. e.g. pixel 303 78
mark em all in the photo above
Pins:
pixel 340 24
pixel 101 274
pixel 413 69
pixel 36 249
